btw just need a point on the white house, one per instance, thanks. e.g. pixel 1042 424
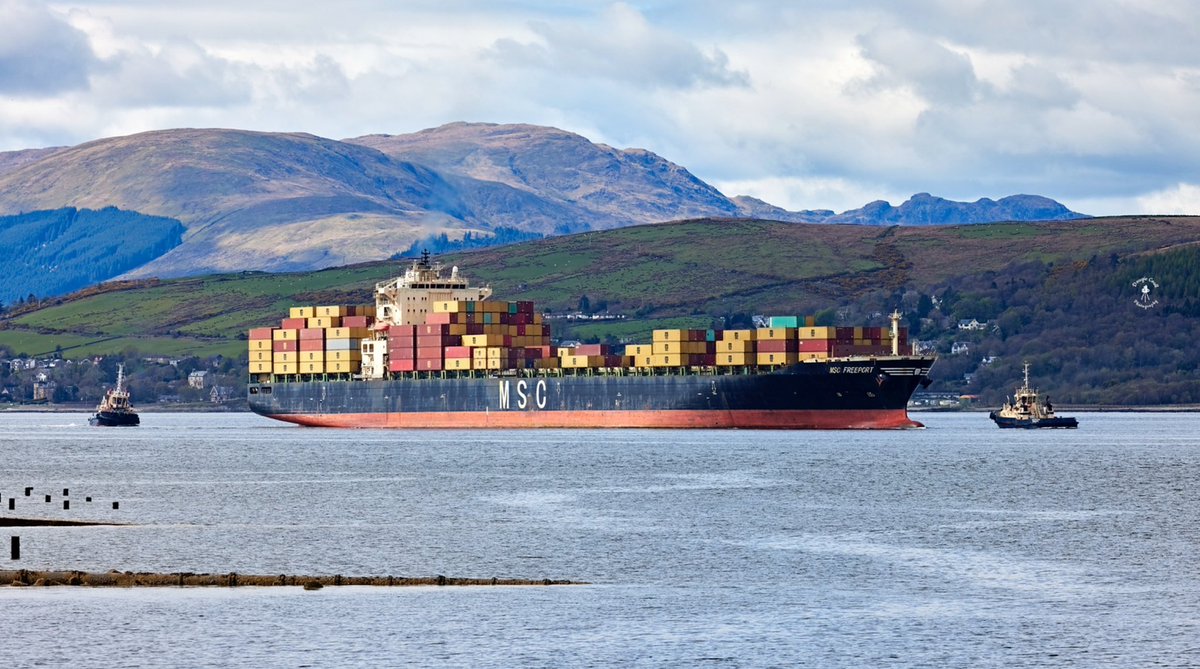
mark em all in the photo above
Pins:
pixel 960 347
pixel 972 324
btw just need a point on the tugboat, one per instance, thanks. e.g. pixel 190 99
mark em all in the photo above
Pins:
pixel 114 409
pixel 1027 411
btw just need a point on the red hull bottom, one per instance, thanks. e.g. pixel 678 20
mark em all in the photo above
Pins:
pixel 849 419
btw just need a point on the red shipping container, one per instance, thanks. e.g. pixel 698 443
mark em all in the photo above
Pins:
pixel 261 333
pixel 408 365
pixel 356 321
pixel 776 345
pixel 430 353
pixel 524 307
pixel 438 319
pixel 433 329
pixel 816 346
pixel 312 333
pixel 430 365
pixel 285 346
pixel 592 349
pixel 294 323
pixel 458 351
pixel 439 341
pixel 401 331
pixel 312 344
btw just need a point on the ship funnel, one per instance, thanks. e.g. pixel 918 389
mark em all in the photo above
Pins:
pixel 895 332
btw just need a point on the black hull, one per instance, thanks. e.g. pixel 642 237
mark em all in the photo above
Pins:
pixel 1033 423
pixel 114 419
pixel 867 393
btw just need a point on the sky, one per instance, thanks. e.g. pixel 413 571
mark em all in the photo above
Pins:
pixel 807 104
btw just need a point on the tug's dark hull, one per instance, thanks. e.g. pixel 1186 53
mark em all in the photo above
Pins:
pixel 114 419
pixel 1033 423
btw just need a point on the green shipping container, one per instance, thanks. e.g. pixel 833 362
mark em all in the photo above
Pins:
pixel 785 321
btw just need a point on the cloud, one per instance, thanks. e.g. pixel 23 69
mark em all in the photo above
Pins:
pixel 1182 198
pixel 621 45
pixel 921 63
pixel 40 53
pixel 175 73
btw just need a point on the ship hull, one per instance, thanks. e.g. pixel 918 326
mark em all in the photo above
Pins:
pixel 1033 423
pixel 114 419
pixel 853 394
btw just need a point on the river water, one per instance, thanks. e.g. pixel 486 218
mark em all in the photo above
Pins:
pixel 956 546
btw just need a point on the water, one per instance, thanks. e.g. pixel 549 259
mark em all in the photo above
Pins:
pixel 957 546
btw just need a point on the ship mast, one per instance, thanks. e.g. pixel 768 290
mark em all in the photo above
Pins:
pixel 895 316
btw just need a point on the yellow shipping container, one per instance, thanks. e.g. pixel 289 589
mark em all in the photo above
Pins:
pixel 342 356
pixel 284 368
pixel 546 363
pixel 823 332
pixel 537 319
pixel 734 359
pixel 446 307
pixel 582 361
pixel 669 360
pixel 737 335
pixel 343 367
pixel 534 330
pixel 312 356
pixel 787 358
pixel 348 333
pixel 496 352
pixel 479 363
pixel 302 312
pixel 260 367
pixel 669 335
pixel 774 334
pixel 483 340
pixel 637 350
pixel 735 346
pixel 331 312
pixel 324 322
pixel 260 344
pixel 564 351
pixel 312 367
pixel 479 353
pixel 458 363
pixel 260 356
pixel 285 335
pixel 804 357
pixel 286 356
pixel 686 347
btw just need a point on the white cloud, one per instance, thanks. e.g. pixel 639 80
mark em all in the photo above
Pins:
pixel 1182 198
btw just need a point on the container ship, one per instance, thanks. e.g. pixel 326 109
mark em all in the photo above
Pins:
pixel 435 351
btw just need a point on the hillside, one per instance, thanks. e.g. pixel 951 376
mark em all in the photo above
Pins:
pixel 1058 294
pixel 64 250
pixel 293 201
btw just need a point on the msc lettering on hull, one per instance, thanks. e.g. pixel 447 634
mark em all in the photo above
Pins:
pixel 525 399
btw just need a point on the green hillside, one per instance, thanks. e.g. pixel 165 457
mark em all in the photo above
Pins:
pixel 1059 294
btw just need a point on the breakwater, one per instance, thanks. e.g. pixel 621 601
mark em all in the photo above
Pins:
pixel 129 579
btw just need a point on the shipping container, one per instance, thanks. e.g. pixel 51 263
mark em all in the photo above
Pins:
pixel 312 367
pixel 737 335
pixel 342 344
pixel 294 323
pixel 289 346
pixel 260 367
pixel 739 359
pixel 777 345
pixel 772 334
pixel 460 364
pixel 343 367
pixel 261 333
pixel 441 341
pixel 639 349
pixel 302 312
pixel 342 356
pixel 289 334
pixel 401 331
pixel 593 349
pixel 735 346
pixel 312 344
pixel 347 332
pixel 332 312
pixel 785 321
pixel 394 365
pixel 261 344
pixel 786 358
pixel 818 333
pixel 357 321
pixel 284 368
pixel 260 356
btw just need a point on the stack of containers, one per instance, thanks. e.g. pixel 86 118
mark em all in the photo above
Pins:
pixel 594 356
pixel 312 350
pixel 736 348
pixel 402 348
pixel 681 348
pixel 432 340
pixel 488 335
pixel 776 346
pixel 285 350
pixel 816 343
pixel 261 351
